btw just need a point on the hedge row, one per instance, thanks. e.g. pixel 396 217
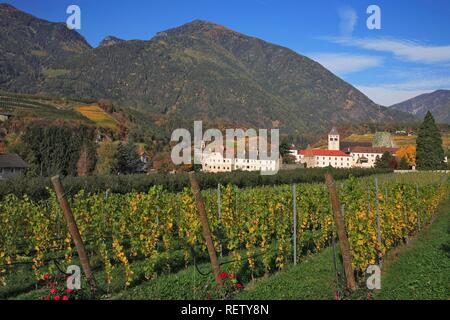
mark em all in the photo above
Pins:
pixel 36 188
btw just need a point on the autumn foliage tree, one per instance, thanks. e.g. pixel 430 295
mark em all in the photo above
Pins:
pixel 409 153
pixel 107 162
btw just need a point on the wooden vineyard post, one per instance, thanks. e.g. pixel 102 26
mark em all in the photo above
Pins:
pixel 75 234
pixel 377 202
pixel 340 225
pixel 219 211
pixel 418 208
pixel 205 227
pixel 294 213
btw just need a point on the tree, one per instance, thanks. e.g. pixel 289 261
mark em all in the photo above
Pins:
pixel 288 159
pixel 107 158
pixel 403 165
pixel 56 149
pixel 387 161
pixel 429 154
pixel 85 163
pixel 284 149
pixel 408 152
pixel 128 161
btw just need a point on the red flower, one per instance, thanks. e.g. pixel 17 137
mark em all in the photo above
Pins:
pixel 68 290
pixel 56 298
pixel 223 275
pixel 53 290
pixel 239 286
pixel 65 298
pixel 46 277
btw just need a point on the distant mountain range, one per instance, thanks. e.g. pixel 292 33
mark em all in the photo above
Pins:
pixel 199 70
pixel 438 102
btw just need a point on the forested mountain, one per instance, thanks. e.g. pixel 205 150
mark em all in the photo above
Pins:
pixel 199 70
pixel 437 102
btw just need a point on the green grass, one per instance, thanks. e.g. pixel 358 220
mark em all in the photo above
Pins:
pixel 421 270
pixel 312 278
pixel 187 284
pixel 22 284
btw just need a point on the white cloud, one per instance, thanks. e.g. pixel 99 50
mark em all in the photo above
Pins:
pixel 402 49
pixel 392 93
pixel 386 96
pixel 342 63
pixel 348 20
pixel 411 83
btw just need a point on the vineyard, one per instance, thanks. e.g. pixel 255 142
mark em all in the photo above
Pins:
pixel 252 228
pixel 40 107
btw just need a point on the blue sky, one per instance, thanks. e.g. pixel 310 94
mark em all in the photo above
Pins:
pixel 408 56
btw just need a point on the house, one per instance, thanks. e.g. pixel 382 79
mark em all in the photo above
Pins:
pixel 144 162
pixel 319 158
pixel 365 157
pixel 11 165
pixel 333 156
pixel 4 116
pixel 351 156
pixel 215 162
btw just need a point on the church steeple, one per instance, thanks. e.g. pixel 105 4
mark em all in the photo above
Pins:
pixel 333 140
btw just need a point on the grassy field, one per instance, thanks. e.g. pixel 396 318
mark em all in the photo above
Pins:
pixel 312 279
pixel 97 115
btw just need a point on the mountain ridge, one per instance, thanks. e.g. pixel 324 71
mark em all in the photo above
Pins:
pixel 200 70
pixel 438 102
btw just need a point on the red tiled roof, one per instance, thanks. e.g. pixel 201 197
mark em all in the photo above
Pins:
pixel 372 150
pixel 324 153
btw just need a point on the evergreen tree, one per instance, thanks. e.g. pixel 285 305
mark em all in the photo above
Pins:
pixel 128 160
pixel 387 161
pixel 284 149
pixel 57 149
pixel 429 154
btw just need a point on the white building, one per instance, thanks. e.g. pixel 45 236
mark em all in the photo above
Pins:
pixel 359 157
pixel 319 158
pixel 365 157
pixel 215 162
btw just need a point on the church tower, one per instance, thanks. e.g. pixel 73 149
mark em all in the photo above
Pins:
pixel 333 139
